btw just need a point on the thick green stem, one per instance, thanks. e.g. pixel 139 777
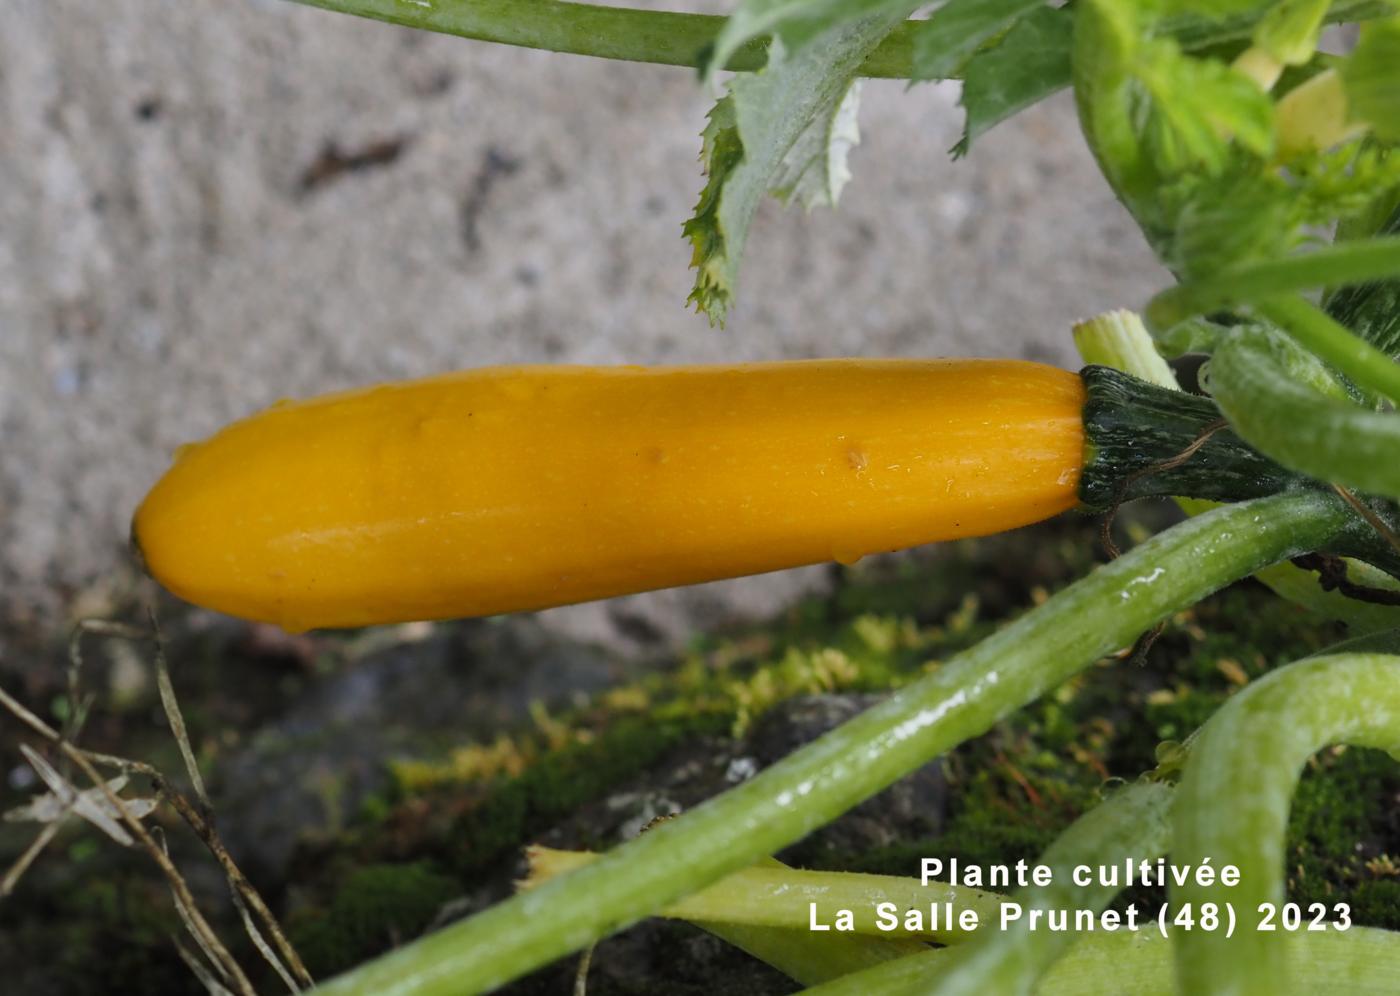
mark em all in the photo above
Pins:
pixel 656 36
pixel 1299 427
pixel 1135 432
pixel 1118 339
pixel 1095 616
pixel 1232 808
pixel 1361 962
pixel 1332 266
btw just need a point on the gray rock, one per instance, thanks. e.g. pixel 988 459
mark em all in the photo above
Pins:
pixel 307 774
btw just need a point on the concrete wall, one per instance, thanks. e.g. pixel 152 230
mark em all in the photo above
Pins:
pixel 178 245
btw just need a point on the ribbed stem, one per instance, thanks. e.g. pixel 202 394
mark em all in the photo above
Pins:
pixel 1136 434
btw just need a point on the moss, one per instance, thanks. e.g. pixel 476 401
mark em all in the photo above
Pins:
pixel 1343 817
pixel 1377 902
pixel 99 929
pixel 378 907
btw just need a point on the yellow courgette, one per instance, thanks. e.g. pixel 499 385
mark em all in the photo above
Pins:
pixel 517 488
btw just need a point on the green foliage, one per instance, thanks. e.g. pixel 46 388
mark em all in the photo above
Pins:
pixel 1372 78
pixel 1249 212
pixel 784 130
pixel 1289 31
pixel 378 907
pixel 1200 110
pixel 795 23
pixel 1028 63
pixel 955 31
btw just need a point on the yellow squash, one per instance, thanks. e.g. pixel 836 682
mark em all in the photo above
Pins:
pixel 515 488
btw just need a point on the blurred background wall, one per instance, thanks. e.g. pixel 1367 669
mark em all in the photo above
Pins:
pixel 206 206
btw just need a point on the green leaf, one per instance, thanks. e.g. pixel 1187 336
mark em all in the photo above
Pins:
pixel 1289 31
pixel 1372 78
pixel 1223 221
pixel 954 33
pixel 1031 62
pixel 784 130
pixel 1198 107
pixel 1214 10
pixel 795 23
pixel 815 170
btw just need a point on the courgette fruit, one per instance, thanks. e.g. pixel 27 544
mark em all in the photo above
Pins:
pixel 516 488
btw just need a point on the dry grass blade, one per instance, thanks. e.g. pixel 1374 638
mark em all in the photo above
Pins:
pixel 200 818
pixel 22 863
pixel 200 927
pixel 64 797
pixel 581 974
pixel 187 915
pixel 196 921
pixel 171 705
pixel 102 806
pixel 201 972
pixel 260 942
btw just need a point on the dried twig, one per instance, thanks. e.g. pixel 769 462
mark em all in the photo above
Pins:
pixel 199 926
pixel 1372 519
pixel 199 817
pixel 175 718
pixel 581 973
pixel 22 863
pixel 201 972
pixel 1332 576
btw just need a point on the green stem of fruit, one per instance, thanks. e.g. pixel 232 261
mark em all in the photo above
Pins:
pixel 1232 807
pixel 1361 962
pixel 1334 265
pixel 1095 616
pixel 1119 339
pixel 663 37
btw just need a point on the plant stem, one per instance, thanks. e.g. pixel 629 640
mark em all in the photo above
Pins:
pixel 1141 440
pixel 1334 265
pixel 1301 587
pixel 1095 616
pixel 1323 437
pixel 778 896
pixel 655 36
pixel 1119 339
pixel 1232 806
pixel 1366 365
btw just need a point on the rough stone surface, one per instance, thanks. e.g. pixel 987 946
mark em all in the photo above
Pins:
pixel 180 244
pixel 307 774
